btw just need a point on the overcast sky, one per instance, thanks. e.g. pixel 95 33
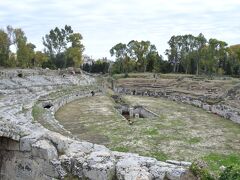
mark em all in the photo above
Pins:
pixel 106 23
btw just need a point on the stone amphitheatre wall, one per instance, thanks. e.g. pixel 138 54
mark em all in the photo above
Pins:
pixel 220 109
pixel 30 151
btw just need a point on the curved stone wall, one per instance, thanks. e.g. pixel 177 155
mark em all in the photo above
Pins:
pixel 220 109
pixel 30 151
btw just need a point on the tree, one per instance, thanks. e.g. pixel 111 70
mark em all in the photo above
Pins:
pixel 40 58
pixel 121 52
pixel 25 51
pixel 4 48
pixel 139 50
pixel 74 53
pixel 233 64
pixel 56 41
pixel 152 59
pixel 217 50
pixel 200 43
pixel 64 47
pixel 174 53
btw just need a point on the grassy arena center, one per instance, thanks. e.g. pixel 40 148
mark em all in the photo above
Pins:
pixel 180 132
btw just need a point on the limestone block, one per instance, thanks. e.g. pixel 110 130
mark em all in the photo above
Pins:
pixel 77 164
pixel 99 165
pixel 77 146
pixel 175 173
pixel 97 147
pixel 26 143
pixel 179 163
pixel 158 172
pixel 206 107
pixel 197 103
pixel 129 169
pixel 44 150
pixel 60 142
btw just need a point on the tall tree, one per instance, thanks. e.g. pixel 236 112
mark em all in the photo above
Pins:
pixel 121 52
pixel 174 53
pixel 74 53
pixel 139 50
pixel 64 47
pixel 25 51
pixel 40 58
pixel 56 41
pixel 200 43
pixel 4 48
pixel 217 52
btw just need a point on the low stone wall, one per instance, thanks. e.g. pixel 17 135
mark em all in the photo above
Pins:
pixel 219 109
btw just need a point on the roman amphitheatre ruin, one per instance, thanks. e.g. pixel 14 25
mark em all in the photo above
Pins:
pixel 57 125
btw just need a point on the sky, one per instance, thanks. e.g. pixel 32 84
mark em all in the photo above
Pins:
pixel 106 23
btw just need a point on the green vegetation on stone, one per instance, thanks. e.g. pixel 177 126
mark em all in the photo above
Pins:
pixel 37 113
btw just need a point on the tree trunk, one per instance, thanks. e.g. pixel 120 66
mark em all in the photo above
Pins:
pixel 197 72
pixel 174 68
pixel 177 68
pixel 186 71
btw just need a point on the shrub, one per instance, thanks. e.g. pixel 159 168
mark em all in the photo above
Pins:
pixel 230 173
pixel 200 170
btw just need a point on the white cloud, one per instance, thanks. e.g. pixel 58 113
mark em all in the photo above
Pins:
pixel 105 23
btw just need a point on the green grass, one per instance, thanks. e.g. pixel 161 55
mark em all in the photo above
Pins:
pixel 133 75
pixel 194 140
pixel 120 149
pixel 161 156
pixel 216 160
pixel 151 131
pixel 37 113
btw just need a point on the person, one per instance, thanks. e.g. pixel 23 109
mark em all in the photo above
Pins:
pixel 134 92
pixel 93 93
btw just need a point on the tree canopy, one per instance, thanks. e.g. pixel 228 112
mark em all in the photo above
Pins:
pixel 63 48
pixel 186 54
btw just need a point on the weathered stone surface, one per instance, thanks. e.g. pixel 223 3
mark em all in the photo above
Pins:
pixel 44 150
pixel 99 165
pixel 179 163
pixel 129 168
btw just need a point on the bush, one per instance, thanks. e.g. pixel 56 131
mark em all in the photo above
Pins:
pixel 200 170
pixel 230 173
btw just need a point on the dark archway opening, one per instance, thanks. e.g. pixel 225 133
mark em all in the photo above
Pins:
pixel 126 114
pixel 20 75
pixel 47 106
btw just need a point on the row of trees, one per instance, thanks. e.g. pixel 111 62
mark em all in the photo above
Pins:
pixel 137 56
pixel 186 54
pixel 63 48
pixel 196 55
pixel 25 55
pixel 99 66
